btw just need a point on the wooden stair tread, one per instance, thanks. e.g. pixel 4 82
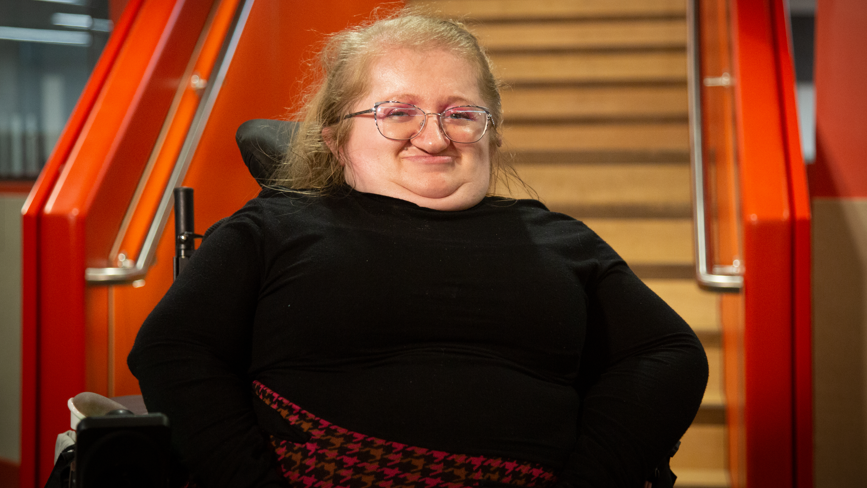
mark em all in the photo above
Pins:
pixel 569 103
pixel 711 413
pixel 696 306
pixel 701 478
pixel 714 395
pixel 592 67
pixel 546 9
pixel 703 446
pixel 565 185
pixel 713 398
pixel 605 34
pixel 632 136
pixel 618 210
pixel 542 156
pixel 664 241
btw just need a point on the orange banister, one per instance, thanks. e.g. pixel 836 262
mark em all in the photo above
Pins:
pixel 150 207
pixel 76 206
pixel 749 102
pixel 28 473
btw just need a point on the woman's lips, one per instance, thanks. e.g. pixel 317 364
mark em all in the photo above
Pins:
pixel 430 159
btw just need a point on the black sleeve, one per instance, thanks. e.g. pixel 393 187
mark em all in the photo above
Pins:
pixel 191 358
pixel 643 375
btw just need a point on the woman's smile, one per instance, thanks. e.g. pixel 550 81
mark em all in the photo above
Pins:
pixel 429 159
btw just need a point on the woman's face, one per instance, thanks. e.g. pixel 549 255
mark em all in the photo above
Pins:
pixel 428 170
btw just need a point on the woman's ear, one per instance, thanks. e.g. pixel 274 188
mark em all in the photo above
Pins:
pixel 328 137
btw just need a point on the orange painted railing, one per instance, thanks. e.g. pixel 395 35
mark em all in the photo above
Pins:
pixel 150 205
pixel 76 203
pixel 761 222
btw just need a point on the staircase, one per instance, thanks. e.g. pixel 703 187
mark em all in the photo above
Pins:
pixel 596 117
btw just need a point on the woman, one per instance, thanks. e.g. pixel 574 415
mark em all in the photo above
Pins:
pixel 400 327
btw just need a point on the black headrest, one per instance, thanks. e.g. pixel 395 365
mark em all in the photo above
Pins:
pixel 263 143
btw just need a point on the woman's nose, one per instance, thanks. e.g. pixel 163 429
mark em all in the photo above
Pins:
pixel 431 138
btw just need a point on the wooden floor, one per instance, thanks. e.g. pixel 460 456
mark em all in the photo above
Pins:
pixel 596 118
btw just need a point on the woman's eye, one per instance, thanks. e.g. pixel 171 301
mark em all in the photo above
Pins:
pixel 397 112
pixel 462 115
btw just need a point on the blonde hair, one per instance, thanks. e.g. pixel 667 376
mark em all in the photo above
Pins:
pixel 344 66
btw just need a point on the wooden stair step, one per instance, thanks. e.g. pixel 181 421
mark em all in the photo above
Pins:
pixel 661 241
pixel 561 186
pixel 616 210
pixel 714 394
pixel 546 9
pixel 713 406
pixel 698 307
pixel 594 102
pixel 712 411
pixel 604 34
pixel 702 478
pixel 623 137
pixel 703 446
pixel 540 156
pixel 650 271
pixel 592 67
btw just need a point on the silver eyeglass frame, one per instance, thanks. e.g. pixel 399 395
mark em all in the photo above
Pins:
pixel 488 118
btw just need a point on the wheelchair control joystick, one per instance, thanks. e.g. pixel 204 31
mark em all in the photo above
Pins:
pixel 185 236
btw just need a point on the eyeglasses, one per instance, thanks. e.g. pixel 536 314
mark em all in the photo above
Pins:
pixel 403 121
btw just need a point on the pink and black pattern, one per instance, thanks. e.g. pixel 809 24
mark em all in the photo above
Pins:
pixel 335 457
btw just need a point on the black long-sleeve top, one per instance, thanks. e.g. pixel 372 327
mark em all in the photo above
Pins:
pixel 502 330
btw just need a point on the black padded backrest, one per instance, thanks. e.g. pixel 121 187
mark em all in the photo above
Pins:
pixel 263 144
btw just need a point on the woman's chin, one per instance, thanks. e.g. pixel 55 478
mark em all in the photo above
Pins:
pixel 436 192
pixel 446 196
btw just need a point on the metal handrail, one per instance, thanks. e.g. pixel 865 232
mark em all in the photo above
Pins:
pixel 130 270
pixel 733 280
